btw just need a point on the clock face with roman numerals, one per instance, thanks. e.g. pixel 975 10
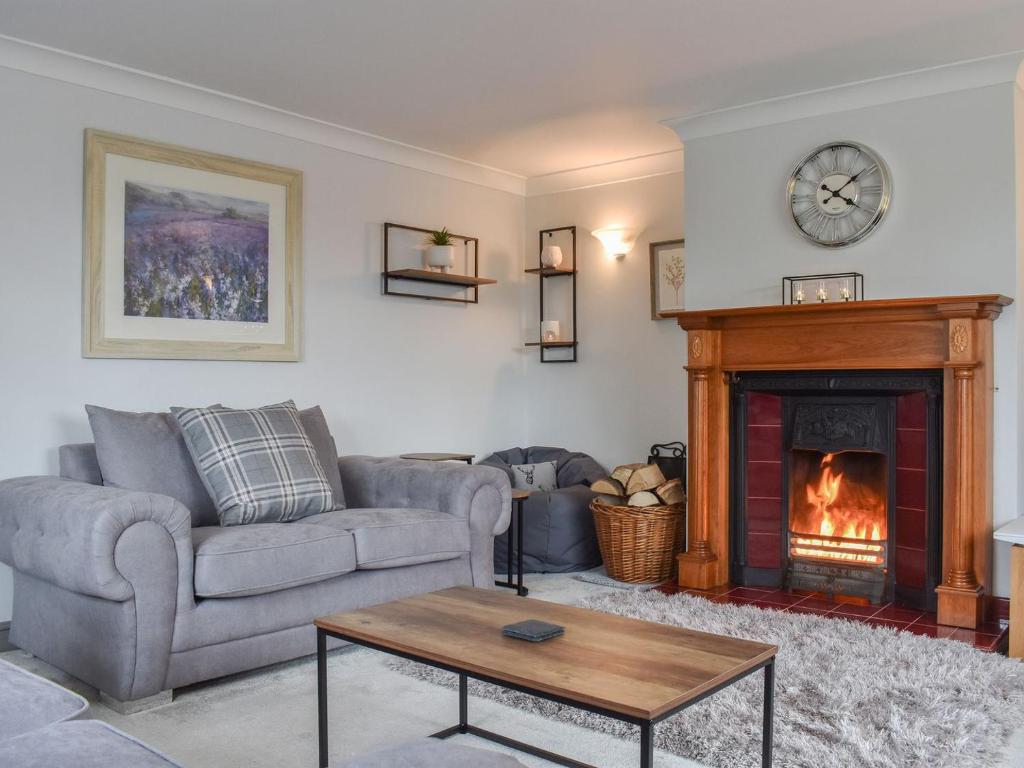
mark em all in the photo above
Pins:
pixel 839 193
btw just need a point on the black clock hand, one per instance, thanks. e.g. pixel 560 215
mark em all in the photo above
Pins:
pixel 869 169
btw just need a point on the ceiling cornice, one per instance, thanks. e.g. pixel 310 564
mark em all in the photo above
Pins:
pixel 112 78
pixel 659 164
pixel 975 73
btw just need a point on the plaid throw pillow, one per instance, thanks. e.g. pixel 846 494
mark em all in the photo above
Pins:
pixel 258 465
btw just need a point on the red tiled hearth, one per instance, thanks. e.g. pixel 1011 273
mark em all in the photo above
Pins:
pixel 988 636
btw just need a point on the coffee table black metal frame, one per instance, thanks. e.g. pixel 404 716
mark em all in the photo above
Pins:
pixel 516 524
pixel 646 725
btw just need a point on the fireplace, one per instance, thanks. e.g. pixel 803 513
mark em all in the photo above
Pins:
pixel 836 483
pixel 943 468
pixel 838 523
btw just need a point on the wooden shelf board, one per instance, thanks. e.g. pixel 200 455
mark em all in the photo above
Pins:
pixel 448 278
pixel 550 271
pixel 551 343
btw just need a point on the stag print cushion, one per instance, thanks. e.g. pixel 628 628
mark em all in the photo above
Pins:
pixel 535 477
pixel 258 465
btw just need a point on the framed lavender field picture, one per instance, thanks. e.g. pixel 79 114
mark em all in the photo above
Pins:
pixel 668 275
pixel 189 255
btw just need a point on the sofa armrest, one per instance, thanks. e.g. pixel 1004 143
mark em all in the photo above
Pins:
pixel 67 533
pixel 480 495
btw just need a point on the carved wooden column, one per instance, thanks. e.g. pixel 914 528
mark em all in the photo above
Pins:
pixel 960 594
pixel 701 566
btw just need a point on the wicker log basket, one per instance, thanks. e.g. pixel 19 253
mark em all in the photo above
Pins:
pixel 639 544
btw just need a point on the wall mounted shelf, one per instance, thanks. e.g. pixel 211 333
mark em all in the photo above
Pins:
pixel 550 272
pixel 470 283
pixel 426 276
pixel 543 272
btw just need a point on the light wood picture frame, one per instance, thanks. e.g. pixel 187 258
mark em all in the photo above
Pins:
pixel 668 277
pixel 189 254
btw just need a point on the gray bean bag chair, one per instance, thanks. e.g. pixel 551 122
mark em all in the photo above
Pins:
pixel 558 528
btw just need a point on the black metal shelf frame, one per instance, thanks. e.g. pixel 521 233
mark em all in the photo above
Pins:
pixel 543 274
pixel 387 275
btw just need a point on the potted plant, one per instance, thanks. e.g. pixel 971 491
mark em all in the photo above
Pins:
pixel 441 250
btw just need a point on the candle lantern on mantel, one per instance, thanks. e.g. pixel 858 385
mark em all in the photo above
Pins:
pixel 823 289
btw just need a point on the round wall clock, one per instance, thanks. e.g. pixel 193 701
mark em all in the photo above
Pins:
pixel 839 193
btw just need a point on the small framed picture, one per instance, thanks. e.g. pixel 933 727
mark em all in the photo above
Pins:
pixel 188 254
pixel 668 275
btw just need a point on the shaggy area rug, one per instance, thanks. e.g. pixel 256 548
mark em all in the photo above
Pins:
pixel 846 694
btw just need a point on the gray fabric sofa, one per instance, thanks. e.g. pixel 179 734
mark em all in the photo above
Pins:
pixel 558 526
pixel 118 589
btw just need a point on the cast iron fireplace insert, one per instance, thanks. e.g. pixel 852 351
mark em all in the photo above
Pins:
pixel 836 483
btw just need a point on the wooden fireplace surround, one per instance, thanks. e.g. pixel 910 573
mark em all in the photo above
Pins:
pixel 953 333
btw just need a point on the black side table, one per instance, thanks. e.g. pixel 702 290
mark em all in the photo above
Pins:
pixel 516 524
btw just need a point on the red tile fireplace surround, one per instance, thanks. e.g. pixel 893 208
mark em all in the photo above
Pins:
pixel 947 341
pixel 835 483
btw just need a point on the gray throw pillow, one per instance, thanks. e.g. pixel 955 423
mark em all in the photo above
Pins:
pixel 535 477
pixel 146 452
pixel 259 465
pixel 315 424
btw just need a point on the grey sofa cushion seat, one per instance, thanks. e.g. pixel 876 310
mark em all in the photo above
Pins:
pixel 82 744
pixel 28 702
pixel 388 538
pixel 266 557
pixel 315 424
pixel 431 753
pixel 146 452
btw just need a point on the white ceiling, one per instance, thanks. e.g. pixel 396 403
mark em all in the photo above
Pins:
pixel 527 86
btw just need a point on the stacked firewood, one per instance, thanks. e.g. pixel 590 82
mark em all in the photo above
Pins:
pixel 639 485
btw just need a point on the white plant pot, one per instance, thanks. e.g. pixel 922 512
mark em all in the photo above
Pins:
pixel 442 256
pixel 551 256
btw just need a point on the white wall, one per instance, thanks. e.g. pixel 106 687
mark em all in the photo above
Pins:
pixel 393 375
pixel 628 389
pixel 951 228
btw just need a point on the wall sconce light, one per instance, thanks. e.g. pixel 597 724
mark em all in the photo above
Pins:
pixel 617 241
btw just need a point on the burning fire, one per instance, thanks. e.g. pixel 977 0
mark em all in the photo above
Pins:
pixel 840 522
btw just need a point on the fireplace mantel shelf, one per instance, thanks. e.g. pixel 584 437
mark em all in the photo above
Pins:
pixel 951 333
pixel 892 310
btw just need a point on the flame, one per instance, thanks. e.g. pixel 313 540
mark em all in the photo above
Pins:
pixel 840 521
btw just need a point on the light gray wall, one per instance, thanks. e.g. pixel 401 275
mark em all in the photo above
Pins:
pixel 393 375
pixel 951 229
pixel 628 389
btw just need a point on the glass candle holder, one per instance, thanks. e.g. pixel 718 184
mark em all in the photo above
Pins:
pixel 549 330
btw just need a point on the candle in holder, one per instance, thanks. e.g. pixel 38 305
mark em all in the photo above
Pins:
pixel 798 297
pixel 822 292
pixel 549 330
pixel 845 290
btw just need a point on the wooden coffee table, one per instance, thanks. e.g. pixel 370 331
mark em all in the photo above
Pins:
pixel 635 671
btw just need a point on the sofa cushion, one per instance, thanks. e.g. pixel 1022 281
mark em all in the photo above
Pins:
pixel 82 744
pixel 315 424
pixel 258 465
pixel 28 702
pixel 388 538
pixel 266 557
pixel 146 452
pixel 431 753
